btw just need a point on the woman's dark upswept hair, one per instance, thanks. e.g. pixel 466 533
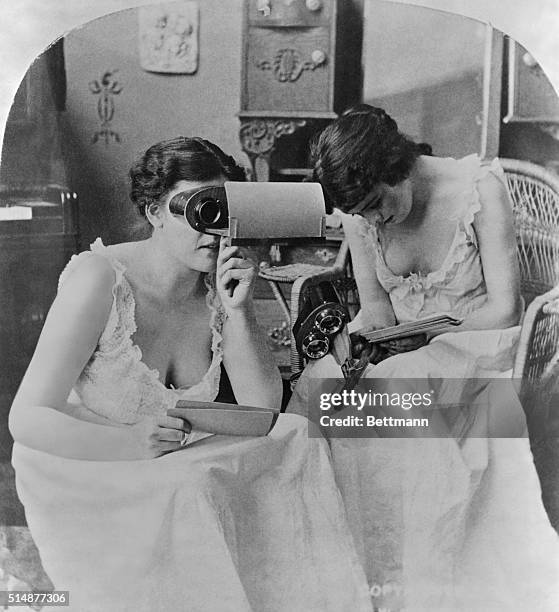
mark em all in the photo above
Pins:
pixel 178 159
pixel 359 150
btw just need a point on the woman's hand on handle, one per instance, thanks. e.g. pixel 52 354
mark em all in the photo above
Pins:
pixel 235 277
pixel 255 378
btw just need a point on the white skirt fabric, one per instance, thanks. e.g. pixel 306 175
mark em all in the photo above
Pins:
pixel 445 524
pixel 228 524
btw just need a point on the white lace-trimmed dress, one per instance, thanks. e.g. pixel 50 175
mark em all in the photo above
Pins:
pixel 226 524
pixel 116 383
pixel 447 524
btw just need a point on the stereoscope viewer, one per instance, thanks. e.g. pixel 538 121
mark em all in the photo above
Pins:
pixel 251 213
pixel 321 319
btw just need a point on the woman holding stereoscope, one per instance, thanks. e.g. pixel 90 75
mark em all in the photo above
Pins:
pixel 131 509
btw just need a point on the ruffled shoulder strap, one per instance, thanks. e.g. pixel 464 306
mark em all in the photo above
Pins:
pixel 480 170
pixel 121 316
pixel 491 167
pixel 74 263
pixel 97 248
pixel 368 233
pixel 100 249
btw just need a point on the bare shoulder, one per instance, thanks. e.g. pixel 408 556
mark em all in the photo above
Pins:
pixel 89 268
pixel 127 253
pixel 491 185
pixel 494 199
pixel 90 280
pixel 494 222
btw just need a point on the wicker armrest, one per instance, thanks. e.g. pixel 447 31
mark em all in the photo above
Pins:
pixel 538 350
pixel 304 283
pixel 338 274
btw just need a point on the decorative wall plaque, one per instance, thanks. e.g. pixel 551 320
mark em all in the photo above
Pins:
pixel 168 37
pixel 105 88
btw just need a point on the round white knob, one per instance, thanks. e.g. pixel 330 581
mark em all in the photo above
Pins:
pixel 318 57
pixel 313 5
pixel 529 60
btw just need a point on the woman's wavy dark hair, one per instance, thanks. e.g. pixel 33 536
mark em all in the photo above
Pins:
pixel 178 159
pixel 359 150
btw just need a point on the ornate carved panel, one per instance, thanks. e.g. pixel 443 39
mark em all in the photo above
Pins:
pixel 259 137
pixel 288 65
pixel 168 37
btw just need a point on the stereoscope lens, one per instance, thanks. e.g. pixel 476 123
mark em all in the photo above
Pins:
pixel 315 347
pixel 329 321
pixel 209 211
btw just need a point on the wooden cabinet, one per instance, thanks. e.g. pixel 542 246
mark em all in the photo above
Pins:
pixel 301 65
pixel 530 96
pixel 530 129
pixel 288 70
pixel 289 56
pixel 33 252
pixel 290 13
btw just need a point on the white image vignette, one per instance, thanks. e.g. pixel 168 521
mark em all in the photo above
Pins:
pixel 29 26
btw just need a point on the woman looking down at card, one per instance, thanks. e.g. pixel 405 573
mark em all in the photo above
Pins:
pixel 450 518
pixel 426 234
pixel 121 519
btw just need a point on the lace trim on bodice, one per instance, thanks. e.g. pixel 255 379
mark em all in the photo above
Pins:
pixel 464 239
pixel 463 251
pixel 140 391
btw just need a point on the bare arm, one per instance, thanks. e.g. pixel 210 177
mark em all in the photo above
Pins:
pixel 251 367
pixel 253 373
pixel 38 417
pixel 497 246
pixel 74 323
pixel 376 308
